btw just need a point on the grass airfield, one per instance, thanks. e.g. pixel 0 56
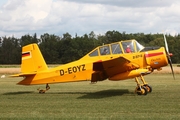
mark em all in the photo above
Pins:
pixel 106 100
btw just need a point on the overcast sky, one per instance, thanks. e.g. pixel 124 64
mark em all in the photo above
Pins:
pixel 20 17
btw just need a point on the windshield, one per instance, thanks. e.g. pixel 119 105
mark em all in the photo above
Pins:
pixel 131 46
pixel 128 46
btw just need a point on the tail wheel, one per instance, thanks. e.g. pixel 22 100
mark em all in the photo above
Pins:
pixel 42 91
pixel 148 87
pixel 141 90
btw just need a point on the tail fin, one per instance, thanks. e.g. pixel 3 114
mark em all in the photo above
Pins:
pixel 32 59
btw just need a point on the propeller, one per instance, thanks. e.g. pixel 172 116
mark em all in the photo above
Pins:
pixel 168 55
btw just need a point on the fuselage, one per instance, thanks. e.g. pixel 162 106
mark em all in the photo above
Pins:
pixel 82 69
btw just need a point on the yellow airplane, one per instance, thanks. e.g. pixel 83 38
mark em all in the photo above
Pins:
pixel 116 61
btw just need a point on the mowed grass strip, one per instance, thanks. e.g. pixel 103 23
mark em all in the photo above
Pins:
pixel 85 101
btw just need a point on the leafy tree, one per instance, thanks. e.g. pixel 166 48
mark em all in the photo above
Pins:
pixel 10 52
pixel 66 49
pixel 27 39
pixel 49 48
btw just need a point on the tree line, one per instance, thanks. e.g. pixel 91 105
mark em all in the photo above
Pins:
pixel 65 48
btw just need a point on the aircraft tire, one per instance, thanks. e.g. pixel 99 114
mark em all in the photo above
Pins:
pixel 41 91
pixel 142 91
pixel 148 87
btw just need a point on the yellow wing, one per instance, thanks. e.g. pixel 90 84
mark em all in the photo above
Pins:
pixel 109 68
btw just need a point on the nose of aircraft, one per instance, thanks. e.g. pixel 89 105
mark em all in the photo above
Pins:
pixel 170 54
pixel 157 58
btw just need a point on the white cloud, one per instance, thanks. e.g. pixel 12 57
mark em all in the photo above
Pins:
pixel 19 17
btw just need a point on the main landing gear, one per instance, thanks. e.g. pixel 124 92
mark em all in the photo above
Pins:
pixel 43 91
pixel 142 89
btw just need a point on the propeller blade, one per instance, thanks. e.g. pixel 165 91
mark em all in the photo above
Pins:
pixel 166 45
pixel 170 63
pixel 168 56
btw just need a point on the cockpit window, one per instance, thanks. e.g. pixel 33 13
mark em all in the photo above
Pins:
pixel 139 47
pixel 128 47
pixel 104 50
pixel 116 48
pixel 94 53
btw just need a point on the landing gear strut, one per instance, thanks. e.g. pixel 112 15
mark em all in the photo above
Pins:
pixel 43 91
pixel 144 88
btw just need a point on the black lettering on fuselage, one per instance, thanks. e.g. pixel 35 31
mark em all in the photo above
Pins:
pixel 79 68
pixel 137 56
pixel 83 67
pixel 61 72
pixel 69 70
pixel 73 69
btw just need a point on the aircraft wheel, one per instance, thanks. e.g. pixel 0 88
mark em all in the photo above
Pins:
pixel 148 87
pixel 141 91
pixel 41 91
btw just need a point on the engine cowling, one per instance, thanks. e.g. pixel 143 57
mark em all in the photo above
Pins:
pixel 156 58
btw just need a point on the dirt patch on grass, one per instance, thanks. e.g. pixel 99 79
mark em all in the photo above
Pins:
pixel 9 70
pixel 168 70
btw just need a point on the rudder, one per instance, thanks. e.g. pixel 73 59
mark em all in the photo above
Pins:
pixel 32 59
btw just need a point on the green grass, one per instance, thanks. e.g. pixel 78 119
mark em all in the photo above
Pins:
pixel 9 66
pixel 105 100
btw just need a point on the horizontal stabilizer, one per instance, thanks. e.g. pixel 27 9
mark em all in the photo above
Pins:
pixel 22 74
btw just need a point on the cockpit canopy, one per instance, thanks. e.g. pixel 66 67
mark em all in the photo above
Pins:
pixel 122 47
